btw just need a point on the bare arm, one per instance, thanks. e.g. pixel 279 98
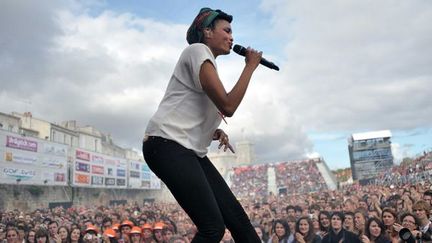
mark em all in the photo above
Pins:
pixel 227 103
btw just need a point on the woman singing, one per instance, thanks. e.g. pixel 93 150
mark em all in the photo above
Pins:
pixel 187 120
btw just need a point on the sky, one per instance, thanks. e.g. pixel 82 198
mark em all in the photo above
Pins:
pixel 345 67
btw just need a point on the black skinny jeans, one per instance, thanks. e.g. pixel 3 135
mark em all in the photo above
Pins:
pixel 200 190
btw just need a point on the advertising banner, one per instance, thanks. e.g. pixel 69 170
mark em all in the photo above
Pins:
pixel 21 143
pixel 97 180
pixel 16 173
pixel 60 177
pixel 135 165
pixel 121 173
pixel 134 174
pixel 82 155
pixel 55 149
pixel 110 181
pixel 31 161
pixel 82 167
pixel 155 182
pixel 111 162
pixel 145 184
pixel 121 182
pixel 102 170
pixel 139 175
pixel 19 157
pixel 98 159
pixel 146 176
pixel 110 171
pixel 97 169
pixel 82 179
pixel 54 162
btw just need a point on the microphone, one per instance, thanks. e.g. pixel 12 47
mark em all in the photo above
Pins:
pixel 242 52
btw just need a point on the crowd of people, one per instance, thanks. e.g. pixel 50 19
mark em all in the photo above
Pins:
pixel 300 177
pixel 412 172
pixel 296 177
pixel 357 213
pixel 249 181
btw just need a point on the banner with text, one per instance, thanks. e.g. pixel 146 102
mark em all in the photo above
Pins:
pixel 93 169
pixel 31 161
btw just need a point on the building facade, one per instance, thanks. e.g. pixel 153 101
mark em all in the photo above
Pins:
pixel 9 123
pixel 68 133
pixel 245 153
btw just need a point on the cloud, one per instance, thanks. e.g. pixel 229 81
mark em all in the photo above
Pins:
pixel 110 70
pixel 356 65
pixel 398 153
pixel 345 66
pixel 27 31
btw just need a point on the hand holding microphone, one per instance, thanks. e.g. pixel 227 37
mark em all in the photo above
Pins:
pixel 242 51
pixel 253 57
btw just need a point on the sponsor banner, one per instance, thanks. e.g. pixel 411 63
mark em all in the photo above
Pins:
pixel 22 174
pixel 110 171
pixel 121 182
pixel 82 155
pixel 83 167
pixel 145 184
pixel 97 169
pixel 146 176
pixel 97 159
pixel 134 174
pixel 121 172
pixel 110 181
pixel 82 179
pixel 111 162
pixel 54 163
pixel 19 158
pixel 32 161
pixel 145 168
pixel 134 183
pixel 47 177
pixel 54 149
pixel 59 177
pixel 135 166
pixel 53 178
pixel 155 182
pixel 97 180
pixel 21 143
pixel 121 163
pixel 39 162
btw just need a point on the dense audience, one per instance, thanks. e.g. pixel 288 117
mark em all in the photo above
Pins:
pixel 299 177
pixel 250 181
pixel 413 172
pixel 390 212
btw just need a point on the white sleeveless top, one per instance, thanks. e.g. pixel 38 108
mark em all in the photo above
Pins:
pixel 186 114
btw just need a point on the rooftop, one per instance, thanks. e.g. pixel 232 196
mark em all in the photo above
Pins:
pixel 371 135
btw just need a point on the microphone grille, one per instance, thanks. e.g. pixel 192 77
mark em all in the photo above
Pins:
pixel 239 49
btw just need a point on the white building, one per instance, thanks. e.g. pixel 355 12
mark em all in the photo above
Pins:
pixel 69 133
pixel 33 127
pixel 9 123
pixel 63 135
pixel 245 153
pixel 225 161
